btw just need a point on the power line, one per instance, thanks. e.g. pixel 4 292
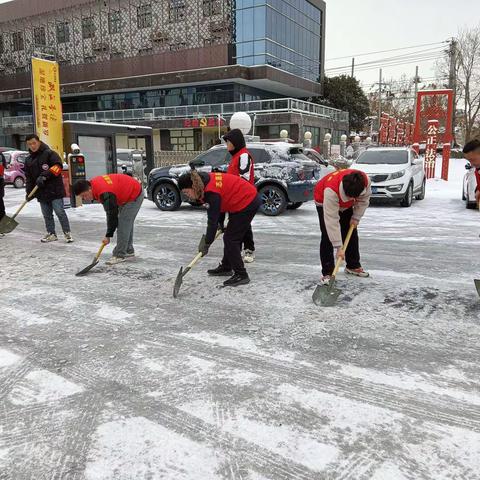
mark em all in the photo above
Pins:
pixel 386 51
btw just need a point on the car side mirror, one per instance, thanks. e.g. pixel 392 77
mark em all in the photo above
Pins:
pixel 468 166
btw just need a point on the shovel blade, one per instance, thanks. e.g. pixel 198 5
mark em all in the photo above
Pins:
pixel 326 295
pixel 7 224
pixel 86 269
pixel 477 285
pixel 178 283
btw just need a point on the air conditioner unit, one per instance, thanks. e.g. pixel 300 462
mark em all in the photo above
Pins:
pixel 160 36
pixel 219 26
pixel 100 46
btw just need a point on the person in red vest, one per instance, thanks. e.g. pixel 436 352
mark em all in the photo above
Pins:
pixel 471 151
pixel 224 193
pixel 242 165
pixel 341 198
pixel 3 166
pixel 121 197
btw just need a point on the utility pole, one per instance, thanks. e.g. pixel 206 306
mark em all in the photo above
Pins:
pixel 452 82
pixel 353 66
pixel 380 101
pixel 416 80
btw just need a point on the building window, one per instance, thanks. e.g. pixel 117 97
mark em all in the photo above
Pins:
pixel 63 32
pixel 145 50
pixel 144 16
pixel 90 59
pixel 114 22
pixel 88 27
pixel 177 10
pixel 2 45
pixel 39 36
pixel 211 7
pixel 18 41
pixel 178 46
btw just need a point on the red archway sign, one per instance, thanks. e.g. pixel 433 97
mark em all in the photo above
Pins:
pixel 434 107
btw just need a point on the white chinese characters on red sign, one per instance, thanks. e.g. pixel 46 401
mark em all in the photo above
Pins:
pixel 431 148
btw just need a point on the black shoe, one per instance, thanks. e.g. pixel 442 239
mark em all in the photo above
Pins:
pixel 236 280
pixel 220 271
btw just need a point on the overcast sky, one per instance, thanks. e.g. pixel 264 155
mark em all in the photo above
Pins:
pixel 371 25
pixel 355 27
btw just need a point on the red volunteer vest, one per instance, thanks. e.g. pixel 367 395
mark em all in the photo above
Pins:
pixel 124 187
pixel 235 192
pixel 333 182
pixel 2 169
pixel 477 175
pixel 234 167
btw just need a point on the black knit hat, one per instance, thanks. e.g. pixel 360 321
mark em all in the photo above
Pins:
pixel 185 181
pixel 236 137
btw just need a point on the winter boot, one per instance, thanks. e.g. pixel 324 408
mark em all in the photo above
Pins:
pixel 68 237
pixel 325 280
pixel 358 272
pixel 130 255
pixel 237 279
pixel 249 256
pixel 114 260
pixel 49 237
pixel 220 271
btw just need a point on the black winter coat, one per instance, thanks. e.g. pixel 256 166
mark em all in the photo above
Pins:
pixel 39 163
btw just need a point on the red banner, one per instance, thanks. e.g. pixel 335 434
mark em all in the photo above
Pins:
pixel 383 134
pixel 392 132
pixel 435 105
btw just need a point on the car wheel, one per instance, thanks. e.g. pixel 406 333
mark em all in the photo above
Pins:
pixel 167 197
pixel 19 182
pixel 408 199
pixel 274 200
pixel 421 195
pixel 294 206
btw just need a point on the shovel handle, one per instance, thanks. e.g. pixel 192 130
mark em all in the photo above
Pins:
pixel 30 196
pixel 344 248
pixel 100 250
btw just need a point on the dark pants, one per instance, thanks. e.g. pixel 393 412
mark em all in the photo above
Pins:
pixel 47 211
pixel 327 257
pixel 2 194
pixel 238 225
pixel 248 243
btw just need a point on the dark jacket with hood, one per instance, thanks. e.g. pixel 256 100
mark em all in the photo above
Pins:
pixel 47 163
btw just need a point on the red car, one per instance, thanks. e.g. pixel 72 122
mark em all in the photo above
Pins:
pixel 14 174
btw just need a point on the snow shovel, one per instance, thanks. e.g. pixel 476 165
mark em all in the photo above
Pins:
pixel 182 272
pixel 327 295
pixel 8 224
pixel 95 261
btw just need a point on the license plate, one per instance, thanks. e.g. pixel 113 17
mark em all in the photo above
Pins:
pixel 374 190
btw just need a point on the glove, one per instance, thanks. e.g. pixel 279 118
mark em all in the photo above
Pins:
pixel 40 181
pixel 203 246
pixel 221 227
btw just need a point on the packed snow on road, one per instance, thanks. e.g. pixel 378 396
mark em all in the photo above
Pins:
pixel 107 377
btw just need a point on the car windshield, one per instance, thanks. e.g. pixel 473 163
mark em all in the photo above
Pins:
pixel 385 157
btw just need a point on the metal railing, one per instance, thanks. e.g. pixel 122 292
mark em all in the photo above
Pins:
pixel 288 105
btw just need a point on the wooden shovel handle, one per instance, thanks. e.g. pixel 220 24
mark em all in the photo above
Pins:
pixel 344 248
pixel 100 250
pixel 31 194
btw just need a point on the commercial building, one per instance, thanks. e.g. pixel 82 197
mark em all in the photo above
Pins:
pixel 181 67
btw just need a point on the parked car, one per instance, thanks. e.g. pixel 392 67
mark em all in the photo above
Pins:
pixel 469 187
pixel 284 176
pixel 397 173
pixel 312 154
pixel 15 174
pixel 6 149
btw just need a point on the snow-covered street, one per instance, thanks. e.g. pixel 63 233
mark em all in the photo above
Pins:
pixel 107 377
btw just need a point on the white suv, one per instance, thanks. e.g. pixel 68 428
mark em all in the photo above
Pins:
pixel 397 173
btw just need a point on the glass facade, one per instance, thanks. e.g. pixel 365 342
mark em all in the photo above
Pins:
pixel 286 34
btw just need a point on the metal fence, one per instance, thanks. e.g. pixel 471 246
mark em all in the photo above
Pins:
pixel 167 158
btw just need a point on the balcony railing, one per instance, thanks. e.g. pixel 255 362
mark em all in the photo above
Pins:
pixel 285 105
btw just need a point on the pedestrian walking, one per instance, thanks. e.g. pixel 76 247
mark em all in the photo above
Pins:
pixel 224 193
pixel 471 151
pixel 342 198
pixel 43 168
pixel 242 165
pixel 121 197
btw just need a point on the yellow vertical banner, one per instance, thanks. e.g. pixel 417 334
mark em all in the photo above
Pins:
pixel 47 105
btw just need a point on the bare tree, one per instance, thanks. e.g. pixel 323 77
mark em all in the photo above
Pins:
pixel 466 69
